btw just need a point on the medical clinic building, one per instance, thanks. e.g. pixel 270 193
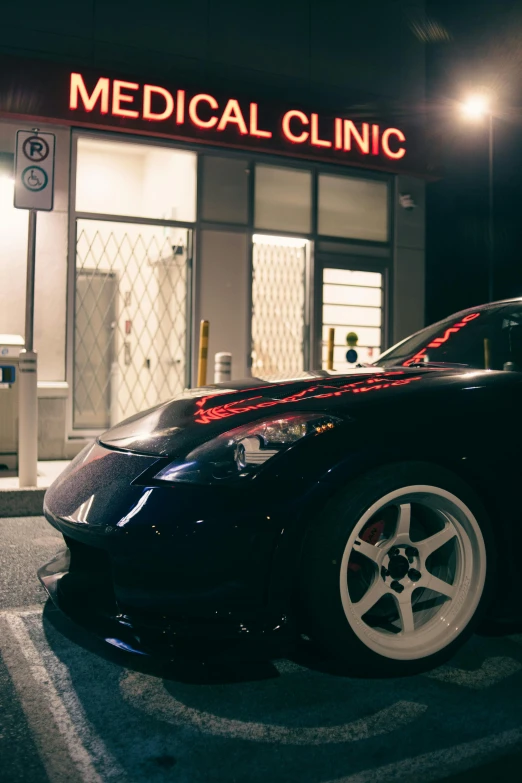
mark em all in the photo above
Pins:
pixel 274 217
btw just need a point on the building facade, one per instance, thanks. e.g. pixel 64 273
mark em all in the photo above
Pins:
pixel 272 184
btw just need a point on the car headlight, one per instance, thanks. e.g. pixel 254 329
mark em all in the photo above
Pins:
pixel 239 452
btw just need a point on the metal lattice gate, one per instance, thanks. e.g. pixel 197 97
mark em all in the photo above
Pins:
pixel 278 309
pixel 130 319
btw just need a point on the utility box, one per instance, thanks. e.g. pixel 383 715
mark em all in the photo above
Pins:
pixel 10 347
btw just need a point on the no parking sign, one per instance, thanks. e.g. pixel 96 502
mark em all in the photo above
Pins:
pixel 34 170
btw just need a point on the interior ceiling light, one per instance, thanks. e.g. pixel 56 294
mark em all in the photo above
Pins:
pixel 262 239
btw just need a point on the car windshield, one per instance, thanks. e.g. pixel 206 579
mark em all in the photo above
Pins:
pixel 482 339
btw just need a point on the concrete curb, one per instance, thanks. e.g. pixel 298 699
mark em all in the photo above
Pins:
pixel 22 502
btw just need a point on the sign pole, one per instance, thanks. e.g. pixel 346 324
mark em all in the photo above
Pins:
pixel 34 190
pixel 29 295
pixel 28 388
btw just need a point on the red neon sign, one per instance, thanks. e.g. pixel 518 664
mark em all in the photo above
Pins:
pixel 148 91
pixel 193 114
pixel 233 114
pixel 79 90
pixel 385 143
pixel 315 134
pixel 254 130
pixel 361 139
pixel 119 97
pixel 287 131
pixel 154 103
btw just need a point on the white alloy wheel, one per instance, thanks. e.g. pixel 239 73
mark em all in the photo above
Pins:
pixel 413 572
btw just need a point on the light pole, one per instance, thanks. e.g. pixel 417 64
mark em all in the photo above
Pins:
pixel 476 107
pixel 491 235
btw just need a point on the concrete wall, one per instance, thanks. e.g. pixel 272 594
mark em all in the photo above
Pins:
pixel 409 267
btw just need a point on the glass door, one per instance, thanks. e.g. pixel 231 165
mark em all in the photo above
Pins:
pixel 130 296
pixel 350 298
pixel 131 313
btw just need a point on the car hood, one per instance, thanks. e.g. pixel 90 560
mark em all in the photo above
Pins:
pixel 197 415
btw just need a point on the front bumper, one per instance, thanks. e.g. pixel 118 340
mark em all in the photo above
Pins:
pixel 148 564
pixel 86 595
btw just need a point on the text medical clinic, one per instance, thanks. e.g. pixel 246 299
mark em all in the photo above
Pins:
pixel 203 111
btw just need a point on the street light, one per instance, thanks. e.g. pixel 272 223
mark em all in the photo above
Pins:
pixel 476 107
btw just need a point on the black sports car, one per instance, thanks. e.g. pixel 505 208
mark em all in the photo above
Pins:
pixel 377 512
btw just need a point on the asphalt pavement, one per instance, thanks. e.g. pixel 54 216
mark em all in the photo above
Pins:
pixel 74 709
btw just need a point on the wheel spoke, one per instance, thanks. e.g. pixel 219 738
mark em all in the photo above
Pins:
pixel 420 573
pixel 435 542
pixel 403 520
pixel 370 598
pixel 405 608
pixel 366 549
pixel 438 585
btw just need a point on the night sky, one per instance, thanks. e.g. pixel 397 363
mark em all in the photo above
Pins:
pixel 484 52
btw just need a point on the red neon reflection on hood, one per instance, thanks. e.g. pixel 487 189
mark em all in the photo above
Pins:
pixel 248 404
pixel 438 341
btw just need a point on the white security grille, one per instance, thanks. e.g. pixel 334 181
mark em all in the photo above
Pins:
pixel 278 306
pixel 131 316
pixel 352 302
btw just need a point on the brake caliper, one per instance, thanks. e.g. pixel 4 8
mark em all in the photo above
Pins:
pixel 371 534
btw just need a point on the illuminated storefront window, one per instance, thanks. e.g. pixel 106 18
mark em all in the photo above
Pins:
pixel 138 180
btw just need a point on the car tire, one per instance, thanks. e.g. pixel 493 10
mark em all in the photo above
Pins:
pixel 398 570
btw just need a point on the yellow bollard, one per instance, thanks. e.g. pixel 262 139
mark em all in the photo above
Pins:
pixel 487 353
pixel 203 353
pixel 330 354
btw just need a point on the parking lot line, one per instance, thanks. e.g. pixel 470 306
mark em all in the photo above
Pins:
pixel 24 611
pixel 149 694
pixel 70 720
pixel 491 671
pixel 440 763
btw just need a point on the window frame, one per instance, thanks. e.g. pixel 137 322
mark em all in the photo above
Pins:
pixel 382 180
pixel 277 231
